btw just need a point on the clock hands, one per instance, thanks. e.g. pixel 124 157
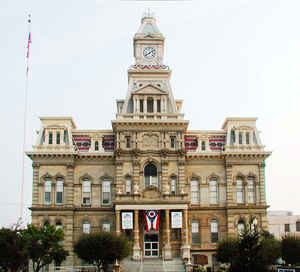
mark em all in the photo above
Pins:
pixel 152 51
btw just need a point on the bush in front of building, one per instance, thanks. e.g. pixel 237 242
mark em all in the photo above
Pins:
pixel 251 251
pixel 291 249
pixel 101 248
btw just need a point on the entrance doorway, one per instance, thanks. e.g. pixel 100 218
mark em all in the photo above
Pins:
pixel 151 245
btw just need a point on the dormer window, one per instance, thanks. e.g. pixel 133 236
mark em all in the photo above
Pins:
pixel 96 145
pixel 57 138
pixel 158 105
pixel 203 145
pixel 50 138
pixel 150 104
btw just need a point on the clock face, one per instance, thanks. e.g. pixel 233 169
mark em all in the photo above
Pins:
pixel 149 53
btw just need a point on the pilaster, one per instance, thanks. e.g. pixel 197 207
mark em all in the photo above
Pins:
pixel 35 189
pixel 70 185
pixel 262 196
pixel 136 246
pixel 229 192
pixel 167 247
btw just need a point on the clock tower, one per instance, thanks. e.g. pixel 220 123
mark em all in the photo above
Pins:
pixel 148 42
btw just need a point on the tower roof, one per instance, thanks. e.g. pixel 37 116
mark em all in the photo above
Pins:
pixel 148 28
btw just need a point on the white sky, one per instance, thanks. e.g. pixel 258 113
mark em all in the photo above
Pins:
pixel 228 57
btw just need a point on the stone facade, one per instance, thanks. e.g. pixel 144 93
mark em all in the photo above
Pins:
pixel 84 180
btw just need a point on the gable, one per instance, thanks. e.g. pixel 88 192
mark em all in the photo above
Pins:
pixel 149 89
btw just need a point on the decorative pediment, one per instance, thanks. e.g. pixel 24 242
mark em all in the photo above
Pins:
pixel 150 89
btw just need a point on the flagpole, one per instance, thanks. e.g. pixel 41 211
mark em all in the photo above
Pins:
pixel 25 118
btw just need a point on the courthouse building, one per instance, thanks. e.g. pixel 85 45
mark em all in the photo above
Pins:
pixel 172 191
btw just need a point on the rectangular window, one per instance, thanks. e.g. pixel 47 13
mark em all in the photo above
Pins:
pixel 86 228
pixel 128 185
pixel 194 191
pixel 213 189
pixel 127 141
pixel 141 105
pixel 173 141
pixel 297 226
pixel 47 196
pixel 86 192
pixel 240 138
pixel 287 227
pixel 105 192
pixel 232 137
pixel 214 231
pixel 254 138
pixel 58 138
pixel 59 191
pixel 150 104
pixel 251 190
pixel 50 138
pixel 158 105
pixel 203 145
pixel 239 192
pixel 247 138
pixel 195 233
pixel 106 227
pixel 173 185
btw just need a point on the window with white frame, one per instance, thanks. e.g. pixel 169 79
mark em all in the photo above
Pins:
pixel 86 227
pixel 241 227
pixel 251 189
pixel 203 146
pixel 194 191
pixel 47 191
pixel 105 191
pixel 213 190
pixel 195 232
pixel 128 185
pixel 106 227
pixel 239 191
pixel 214 231
pixel 59 190
pixel 173 185
pixel 173 138
pixel 86 192
pixel 150 175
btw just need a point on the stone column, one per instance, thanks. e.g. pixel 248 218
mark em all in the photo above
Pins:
pixel 138 105
pixel 262 195
pixel 167 247
pixel 70 185
pixel 229 193
pixel 118 227
pixel 154 105
pixel 68 242
pixel 164 176
pixel 136 178
pixel 119 176
pixel 136 246
pixel 185 247
pixel 35 191
pixel 181 176
pixel 145 104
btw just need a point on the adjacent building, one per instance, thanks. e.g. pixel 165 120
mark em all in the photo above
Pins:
pixel 173 191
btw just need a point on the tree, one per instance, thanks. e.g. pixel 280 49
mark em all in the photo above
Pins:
pixel 101 248
pixel 44 245
pixel 13 250
pixel 251 251
pixel 290 249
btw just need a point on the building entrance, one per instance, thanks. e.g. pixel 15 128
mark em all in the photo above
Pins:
pixel 151 245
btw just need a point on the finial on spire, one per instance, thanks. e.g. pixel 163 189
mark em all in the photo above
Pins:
pixel 148 14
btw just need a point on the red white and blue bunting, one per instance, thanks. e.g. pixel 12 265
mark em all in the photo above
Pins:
pixel 190 142
pixel 82 142
pixel 217 143
pixel 151 219
pixel 108 143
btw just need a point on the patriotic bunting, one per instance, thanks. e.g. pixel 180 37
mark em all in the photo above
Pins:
pixel 149 67
pixel 108 143
pixel 217 143
pixel 151 219
pixel 190 142
pixel 82 142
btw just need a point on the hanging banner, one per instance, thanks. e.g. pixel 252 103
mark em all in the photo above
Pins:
pixel 127 220
pixel 176 220
pixel 151 219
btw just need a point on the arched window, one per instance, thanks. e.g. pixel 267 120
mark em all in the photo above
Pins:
pixel 241 227
pixel 251 190
pixel 150 175
pixel 96 145
pixel 59 190
pixel 173 185
pixel 106 191
pixel 149 104
pixel 214 231
pixel 239 191
pixel 194 191
pixel 128 185
pixel 86 191
pixel 46 223
pixel 86 227
pixel 58 225
pixel 47 191
pixel 213 189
